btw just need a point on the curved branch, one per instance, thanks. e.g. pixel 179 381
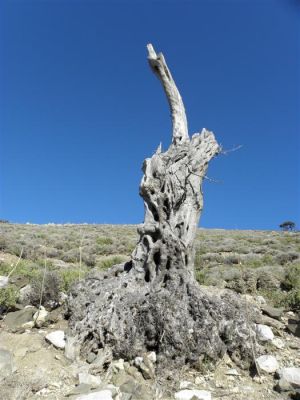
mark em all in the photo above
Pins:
pixel 161 70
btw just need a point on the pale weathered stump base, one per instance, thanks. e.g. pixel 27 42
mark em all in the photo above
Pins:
pixel 182 323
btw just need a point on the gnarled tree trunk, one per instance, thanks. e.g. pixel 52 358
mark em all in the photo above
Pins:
pixel 153 302
pixel 171 189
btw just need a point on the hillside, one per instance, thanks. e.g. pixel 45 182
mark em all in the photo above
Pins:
pixel 246 261
pixel 262 266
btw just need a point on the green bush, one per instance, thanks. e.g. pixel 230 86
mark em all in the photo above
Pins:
pixel 103 241
pixel 110 261
pixel 8 297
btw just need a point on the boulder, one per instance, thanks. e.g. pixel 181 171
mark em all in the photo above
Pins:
pixel 291 375
pixel 57 338
pixel 272 311
pixel 267 363
pixel 189 394
pixel 264 333
pixel 18 319
pixel 7 366
pixel 88 379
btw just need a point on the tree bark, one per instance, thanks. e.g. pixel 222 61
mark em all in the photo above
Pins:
pixel 171 189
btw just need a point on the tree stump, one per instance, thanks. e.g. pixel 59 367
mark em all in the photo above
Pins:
pixel 153 302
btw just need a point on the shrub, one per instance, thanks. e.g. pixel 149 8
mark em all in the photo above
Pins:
pixel 8 297
pixel 50 290
pixel 285 258
pixel 110 261
pixel 70 276
pixel 102 241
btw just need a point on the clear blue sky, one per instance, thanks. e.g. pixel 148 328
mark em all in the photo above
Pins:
pixel 80 108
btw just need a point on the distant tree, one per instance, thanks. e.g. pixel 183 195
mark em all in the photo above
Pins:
pixel 287 226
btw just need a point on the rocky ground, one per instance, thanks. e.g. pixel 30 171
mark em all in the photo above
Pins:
pixel 37 363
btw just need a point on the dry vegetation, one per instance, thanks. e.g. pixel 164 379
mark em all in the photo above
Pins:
pixel 261 262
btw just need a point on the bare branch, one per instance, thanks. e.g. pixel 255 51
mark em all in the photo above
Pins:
pixel 161 70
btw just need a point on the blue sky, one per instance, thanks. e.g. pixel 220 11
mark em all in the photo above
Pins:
pixel 80 108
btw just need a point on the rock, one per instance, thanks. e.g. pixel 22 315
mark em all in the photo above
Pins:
pixel 118 365
pixel 264 333
pixel 24 295
pixel 91 357
pixel 101 395
pixel 272 311
pixel 291 375
pixel 152 356
pixel 71 348
pixel 146 367
pixel 40 317
pixel 283 386
pixel 20 352
pixel 274 323
pixel 293 327
pixel 261 300
pixel 267 363
pixel 57 338
pixel 17 319
pixel 194 394
pixel 3 281
pixel 62 298
pixel 185 384
pixel 278 343
pixel 232 372
pixel 136 390
pixel 7 366
pixel 88 379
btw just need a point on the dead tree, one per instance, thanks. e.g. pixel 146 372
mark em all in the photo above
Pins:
pixel 171 189
pixel 153 302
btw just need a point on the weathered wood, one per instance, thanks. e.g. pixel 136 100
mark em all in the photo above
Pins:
pixel 171 189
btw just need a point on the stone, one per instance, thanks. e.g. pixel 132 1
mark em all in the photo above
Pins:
pixel 146 367
pixel 101 395
pixel 283 386
pixel 293 327
pixel 267 363
pixel 24 295
pixel 3 281
pixel 264 333
pixel 20 352
pixel 91 357
pixel 7 366
pixel 261 300
pixel 185 385
pixel 17 319
pixel 57 338
pixel 152 356
pixel 71 348
pixel 278 343
pixel 272 311
pixel 88 379
pixel 194 394
pixel 232 372
pixel 40 317
pixel 290 375
pixel 118 365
